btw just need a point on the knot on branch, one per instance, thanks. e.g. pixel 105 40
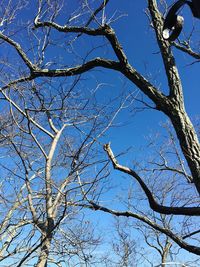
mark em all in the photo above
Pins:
pixel 108 30
pixel 106 147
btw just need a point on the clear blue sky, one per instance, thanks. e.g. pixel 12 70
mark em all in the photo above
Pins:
pixel 138 41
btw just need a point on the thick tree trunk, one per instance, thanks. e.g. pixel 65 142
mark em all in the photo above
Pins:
pixel 44 253
pixel 187 138
pixel 173 107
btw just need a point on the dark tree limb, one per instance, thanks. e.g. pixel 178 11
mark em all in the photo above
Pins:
pixel 174 23
pixel 97 62
pixel 178 240
pixel 191 211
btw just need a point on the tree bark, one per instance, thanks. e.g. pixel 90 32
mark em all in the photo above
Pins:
pixel 165 253
pixel 173 105
pixel 44 253
pixel 187 137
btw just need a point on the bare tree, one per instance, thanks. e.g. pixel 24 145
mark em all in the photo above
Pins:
pixel 124 247
pixel 154 248
pixel 51 123
pixel 49 139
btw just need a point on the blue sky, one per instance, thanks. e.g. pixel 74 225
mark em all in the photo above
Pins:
pixel 138 41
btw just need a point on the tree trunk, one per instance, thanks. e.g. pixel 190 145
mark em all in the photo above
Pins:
pixel 187 138
pixel 44 253
pixel 173 107
pixel 166 252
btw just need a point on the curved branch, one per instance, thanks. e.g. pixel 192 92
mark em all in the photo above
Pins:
pixel 97 62
pixel 191 234
pixel 191 211
pixel 166 231
pixel 70 29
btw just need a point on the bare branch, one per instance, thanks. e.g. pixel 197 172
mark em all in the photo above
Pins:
pixel 19 50
pixel 168 232
pixel 192 211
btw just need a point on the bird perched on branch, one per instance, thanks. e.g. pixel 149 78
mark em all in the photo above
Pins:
pixel 173 23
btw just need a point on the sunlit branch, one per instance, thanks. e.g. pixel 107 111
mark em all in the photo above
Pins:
pixel 192 211
pixel 25 115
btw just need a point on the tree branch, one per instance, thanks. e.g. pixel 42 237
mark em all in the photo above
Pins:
pixel 187 50
pixel 166 231
pixel 192 211
pixel 19 50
